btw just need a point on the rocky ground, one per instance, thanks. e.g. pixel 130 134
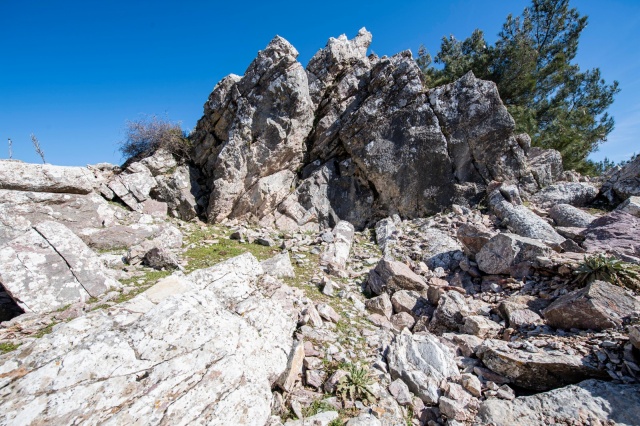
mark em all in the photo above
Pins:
pixel 313 262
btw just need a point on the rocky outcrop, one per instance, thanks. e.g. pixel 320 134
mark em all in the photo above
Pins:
pixel 190 349
pixel 49 267
pixel 254 127
pixel 622 183
pixel 355 138
pixel 19 176
pixel 508 252
pixel 574 193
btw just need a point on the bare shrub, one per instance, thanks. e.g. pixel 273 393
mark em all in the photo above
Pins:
pixel 143 137
pixel 37 147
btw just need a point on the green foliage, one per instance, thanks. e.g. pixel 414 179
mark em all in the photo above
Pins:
pixel 558 105
pixel 336 422
pixel 355 385
pixel 8 347
pixel 317 406
pixel 610 269
pixel 145 136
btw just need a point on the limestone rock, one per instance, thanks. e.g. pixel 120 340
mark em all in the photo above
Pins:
pixel 181 191
pixel 480 326
pixel 450 313
pixel 440 251
pixel 588 402
pixel 567 215
pixel 507 252
pixel 622 183
pixel 49 267
pixel 598 306
pixel 337 252
pixel 19 176
pixel 293 371
pixel 160 258
pixel 631 206
pixel 421 361
pixel 279 266
pixel 254 127
pixel 574 193
pixel 144 362
pixel 545 165
pixel 537 368
pixel 402 320
pixel 520 220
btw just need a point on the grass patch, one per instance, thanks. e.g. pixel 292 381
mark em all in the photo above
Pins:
pixel 8 347
pixel 208 255
pixel 149 279
pixel 317 406
pixel 44 331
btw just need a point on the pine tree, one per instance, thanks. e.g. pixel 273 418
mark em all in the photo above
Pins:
pixel 549 97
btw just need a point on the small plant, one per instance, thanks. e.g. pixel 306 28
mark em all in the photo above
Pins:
pixel 336 422
pixel 610 269
pixel 8 347
pixel 37 147
pixel 355 385
pixel 143 137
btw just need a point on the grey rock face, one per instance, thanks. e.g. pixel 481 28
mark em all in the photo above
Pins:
pixel 617 233
pixel 520 220
pixel 537 368
pixel 380 305
pixel 575 193
pixel 567 215
pixel 451 312
pixel 278 266
pixel 473 237
pixel 19 176
pixel 421 361
pixel 254 127
pixel 545 165
pixel 200 343
pixel 631 206
pixel 623 183
pixel 337 252
pixel 598 306
pixel 441 251
pixel 506 252
pixel 180 190
pixel 49 267
pixel 590 401
pixel 480 141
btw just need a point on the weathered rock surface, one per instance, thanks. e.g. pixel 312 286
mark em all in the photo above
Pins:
pixel 19 176
pixel 49 267
pixel 617 233
pixel 631 206
pixel 421 361
pixel 588 402
pixel 507 252
pixel 473 237
pixel 337 252
pixel 623 183
pixel 394 275
pixel 189 349
pixel 519 219
pixel 545 165
pixel 537 368
pixel 598 306
pixel 254 127
pixel 279 266
pixel 574 193
pixel 567 215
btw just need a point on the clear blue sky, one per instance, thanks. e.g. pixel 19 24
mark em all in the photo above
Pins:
pixel 72 72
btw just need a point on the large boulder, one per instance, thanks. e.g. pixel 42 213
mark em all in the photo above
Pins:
pixel 537 368
pixel 588 402
pixel 421 361
pixel 392 275
pixel 598 306
pixel 567 215
pixel 252 128
pixel 49 267
pixel 518 218
pixel 507 253
pixel 545 165
pixel 617 233
pixel 575 193
pixel 190 349
pixel 337 252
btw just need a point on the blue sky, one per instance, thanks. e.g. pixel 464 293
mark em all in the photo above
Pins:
pixel 72 72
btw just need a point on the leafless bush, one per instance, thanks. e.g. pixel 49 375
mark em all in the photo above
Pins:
pixel 143 137
pixel 36 146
